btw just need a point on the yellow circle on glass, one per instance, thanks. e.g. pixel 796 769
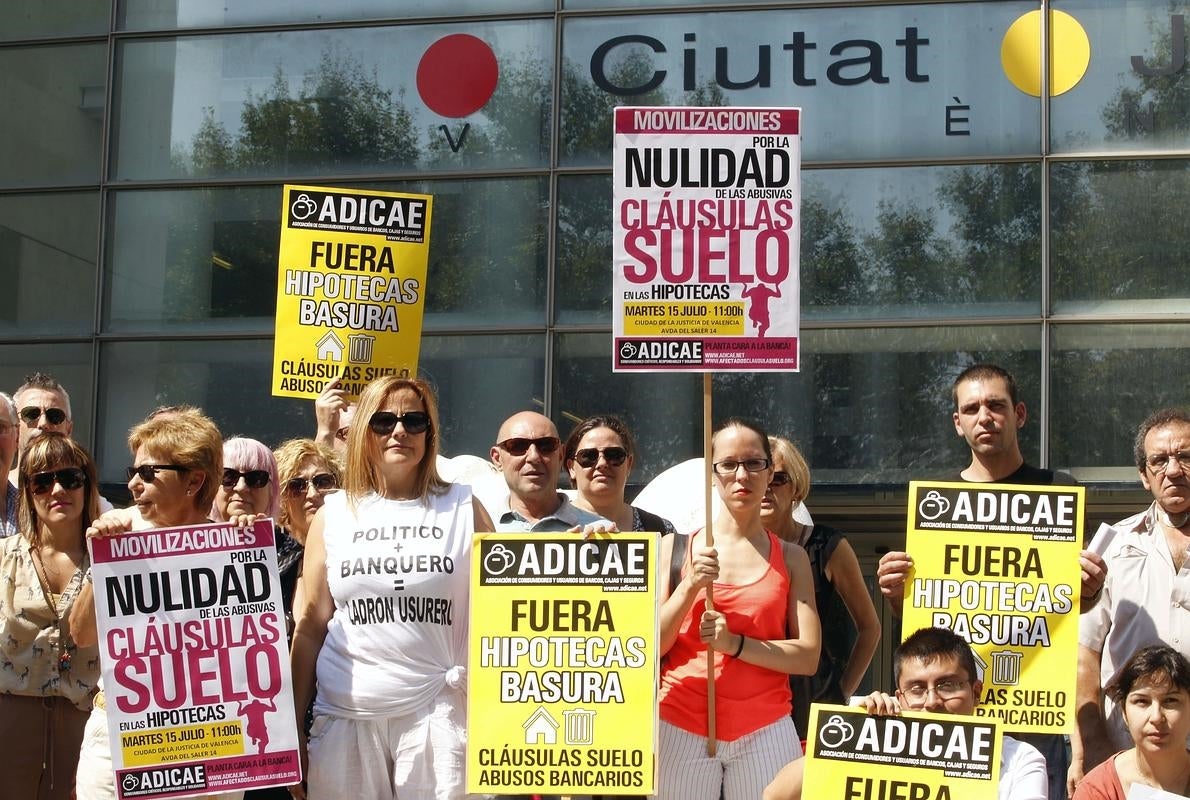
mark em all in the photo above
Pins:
pixel 1020 53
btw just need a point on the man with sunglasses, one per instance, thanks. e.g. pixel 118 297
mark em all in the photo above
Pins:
pixel 43 405
pixel 1144 600
pixel 9 436
pixel 935 671
pixel 529 453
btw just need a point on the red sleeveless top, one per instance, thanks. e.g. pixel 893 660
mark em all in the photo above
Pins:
pixel 747 697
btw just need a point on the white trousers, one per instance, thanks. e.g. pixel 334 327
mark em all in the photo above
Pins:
pixel 742 768
pixel 420 756
pixel 96 778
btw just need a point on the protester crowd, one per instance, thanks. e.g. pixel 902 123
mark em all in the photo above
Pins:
pixel 381 705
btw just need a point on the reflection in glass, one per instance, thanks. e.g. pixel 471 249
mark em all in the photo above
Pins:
pixel 52 124
pixel 891 243
pixel 1133 96
pixel 230 380
pixel 336 101
pixel 880 83
pixel 20 19
pixel 869 406
pixel 47 248
pixel 1100 264
pixel 197 259
pixel 1105 380
pixel 171 14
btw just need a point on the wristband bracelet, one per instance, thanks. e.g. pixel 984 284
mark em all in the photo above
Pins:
pixel 739 649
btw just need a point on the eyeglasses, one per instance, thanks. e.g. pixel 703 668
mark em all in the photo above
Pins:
pixel 749 465
pixel 69 479
pixel 518 446
pixel 1159 463
pixel 54 416
pixel 383 423
pixel 255 478
pixel 323 482
pixel 943 690
pixel 148 472
pixel 589 456
pixel 780 479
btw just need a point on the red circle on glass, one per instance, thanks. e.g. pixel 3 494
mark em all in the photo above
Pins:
pixel 457 75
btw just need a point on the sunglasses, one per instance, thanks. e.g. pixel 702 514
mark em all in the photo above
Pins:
pixel 54 416
pixel 780 479
pixel 589 456
pixel 383 423
pixel 255 478
pixel 519 446
pixel 148 472
pixel 69 479
pixel 323 482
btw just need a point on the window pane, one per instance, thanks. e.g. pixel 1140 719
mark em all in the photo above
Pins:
pixel 230 379
pixel 20 19
pixel 206 259
pixel 53 114
pixel 1100 264
pixel 892 243
pixel 68 362
pixel 47 257
pixel 1116 106
pixel 878 83
pixel 869 406
pixel 336 101
pixel 171 14
pixel 1106 379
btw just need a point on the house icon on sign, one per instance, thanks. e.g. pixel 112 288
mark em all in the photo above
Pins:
pixel 330 347
pixel 540 728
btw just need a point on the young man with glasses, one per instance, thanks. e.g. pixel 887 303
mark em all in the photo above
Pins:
pixel 935 671
pixel 529 453
pixel 1146 597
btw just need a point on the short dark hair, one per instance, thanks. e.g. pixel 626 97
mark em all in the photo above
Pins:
pixel 609 421
pixel 930 644
pixel 740 422
pixel 982 372
pixel 1156 659
pixel 1158 419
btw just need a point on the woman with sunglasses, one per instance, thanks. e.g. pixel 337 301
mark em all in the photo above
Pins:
pixel 599 456
pixel 383 629
pixel 850 626
pixel 46 679
pixel 177 466
pixel 249 482
pixel 762 629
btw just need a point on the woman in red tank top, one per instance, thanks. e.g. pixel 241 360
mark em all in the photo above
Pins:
pixel 763 628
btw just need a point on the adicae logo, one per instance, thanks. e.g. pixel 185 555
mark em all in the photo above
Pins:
pixel 1070 49
pixel 457 75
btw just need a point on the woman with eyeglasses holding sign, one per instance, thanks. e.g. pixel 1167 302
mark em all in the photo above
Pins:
pixel 177 465
pixel 762 629
pixel 850 626
pixel 383 630
pixel 46 679
pixel 599 456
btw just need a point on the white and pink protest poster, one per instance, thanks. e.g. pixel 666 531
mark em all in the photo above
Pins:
pixel 706 234
pixel 196 677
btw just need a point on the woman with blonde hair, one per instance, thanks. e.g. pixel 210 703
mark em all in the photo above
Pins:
pixel 850 625
pixel 46 679
pixel 383 629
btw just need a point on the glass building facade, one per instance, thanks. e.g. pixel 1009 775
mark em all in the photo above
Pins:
pixel 950 214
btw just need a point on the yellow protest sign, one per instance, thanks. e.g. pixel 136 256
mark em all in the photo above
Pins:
pixel 998 564
pixel 853 755
pixel 351 277
pixel 562 676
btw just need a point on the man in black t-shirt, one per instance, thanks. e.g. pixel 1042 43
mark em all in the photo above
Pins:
pixel 988 415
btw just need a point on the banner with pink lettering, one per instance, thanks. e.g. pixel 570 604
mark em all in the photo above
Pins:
pixel 196 678
pixel 706 231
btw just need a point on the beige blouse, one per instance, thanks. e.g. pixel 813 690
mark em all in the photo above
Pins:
pixel 37 656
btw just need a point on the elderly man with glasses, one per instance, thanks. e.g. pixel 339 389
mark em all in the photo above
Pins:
pixel 1146 598
pixel 529 453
